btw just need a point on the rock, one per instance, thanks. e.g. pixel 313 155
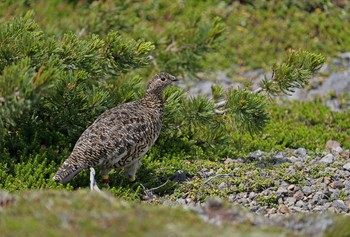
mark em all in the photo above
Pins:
pixel 168 203
pixel 299 195
pixel 335 193
pixel 242 201
pixel 337 184
pixel 252 195
pixel 296 209
pixel 255 155
pixel 282 190
pixel 340 206
pixel 299 165
pixel 291 187
pixel 327 159
pixel 293 159
pixel 179 176
pixel 345 153
pixel 345 55
pixel 214 204
pixel 253 208
pixel 332 144
pixel 229 161
pixel 283 209
pixel 301 152
pixel 222 186
pixel 336 150
pixel 320 208
pixel 290 201
pixel 300 203
pixel 326 180
pixel 347 166
pixel 272 211
pixel 262 211
pixel 307 190
pixel 280 201
pixel 232 198
pixel 347 185
pixel 317 198
pixel 181 201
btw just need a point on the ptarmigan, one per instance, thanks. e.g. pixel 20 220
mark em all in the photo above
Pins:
pixel 120 136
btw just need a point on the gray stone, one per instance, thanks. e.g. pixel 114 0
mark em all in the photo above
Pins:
pixel 298 195
pixel 345 55
pixel 296 209
pixel 252 195
pixel 280 201
pixel 256 154
pixel 290 201
pixel 231 197
pixel 299 165
pixel 222 185
pixel 337 184
pixel 327 159
pixel 181 201
pixel 179 176
pixel 332 144
pixel 283 209
pixel 347 185
pixel 347 166
pixel 243 201
pixel 340 206
pixel 337 150
pixel 253 208
pixel 168 203
pixel 335 193
pixel 292 187
pixel 262 211
pixel 307 190
pixel 293 159
pixel 282 190
pixel 301 152
pixel 317 198
pixel 272 211
pixel 300 203
pixel 319 208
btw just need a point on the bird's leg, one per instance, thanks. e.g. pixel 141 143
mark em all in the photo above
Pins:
pixel 131 170
pixel 93 185
pixel 105 176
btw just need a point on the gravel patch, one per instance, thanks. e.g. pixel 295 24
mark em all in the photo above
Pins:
pixel 322 190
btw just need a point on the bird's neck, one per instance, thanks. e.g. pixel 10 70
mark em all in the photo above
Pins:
pixel 153 100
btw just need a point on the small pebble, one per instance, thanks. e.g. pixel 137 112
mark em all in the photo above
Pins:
pixel 283 209
pixel 327 159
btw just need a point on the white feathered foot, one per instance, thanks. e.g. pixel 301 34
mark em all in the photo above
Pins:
pixel 93 185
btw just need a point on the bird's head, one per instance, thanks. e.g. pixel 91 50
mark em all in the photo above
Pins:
pixel 159 82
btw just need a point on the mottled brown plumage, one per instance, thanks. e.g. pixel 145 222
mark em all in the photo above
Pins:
pixel 120 136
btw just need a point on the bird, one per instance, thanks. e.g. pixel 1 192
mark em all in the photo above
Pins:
pixel 120 136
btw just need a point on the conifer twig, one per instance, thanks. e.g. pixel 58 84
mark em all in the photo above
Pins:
pixel 220 112
pixel 216 176
pixel 155 188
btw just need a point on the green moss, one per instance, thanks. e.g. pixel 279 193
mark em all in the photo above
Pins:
pixel 270 201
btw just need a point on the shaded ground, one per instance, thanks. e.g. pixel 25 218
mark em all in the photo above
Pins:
pixel 86 213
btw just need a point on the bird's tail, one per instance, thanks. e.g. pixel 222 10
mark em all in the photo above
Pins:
pixel 68 170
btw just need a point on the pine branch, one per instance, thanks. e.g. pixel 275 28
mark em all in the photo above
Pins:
pixel 247 110
pixel 294 72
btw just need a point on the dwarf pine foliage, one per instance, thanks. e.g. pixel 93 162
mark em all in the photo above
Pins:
pixel 52 87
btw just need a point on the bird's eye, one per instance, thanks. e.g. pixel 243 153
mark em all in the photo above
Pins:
pixel 162 78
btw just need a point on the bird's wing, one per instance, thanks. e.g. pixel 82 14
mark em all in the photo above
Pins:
pixel 115 133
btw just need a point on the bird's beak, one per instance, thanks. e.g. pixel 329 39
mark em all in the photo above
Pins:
pixel 174 78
